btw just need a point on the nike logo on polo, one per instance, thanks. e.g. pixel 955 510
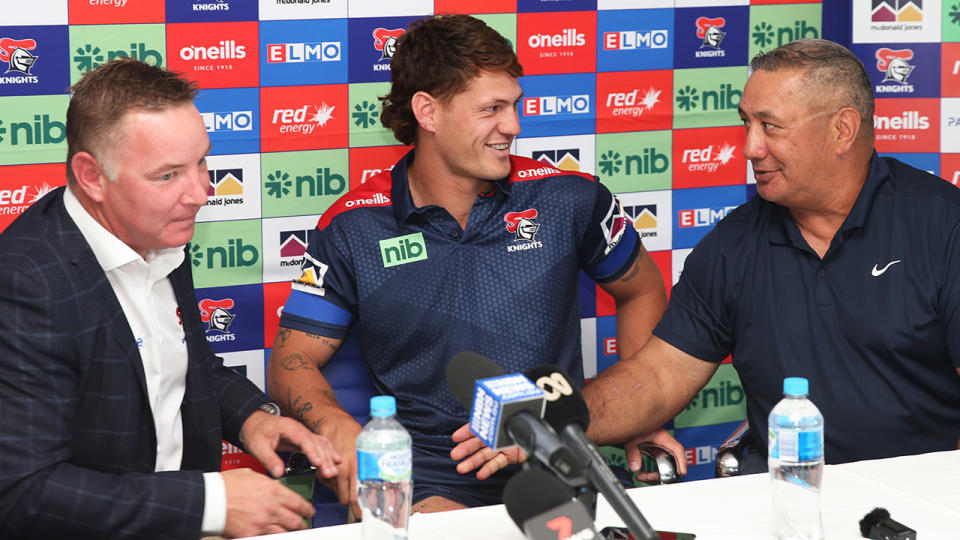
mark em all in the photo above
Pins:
pixel 879 271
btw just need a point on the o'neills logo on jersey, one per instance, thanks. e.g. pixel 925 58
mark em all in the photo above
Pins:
pixel 524 230
pixel 895 68
pixel 568 37
pixel 378 199
pixel 709 30
pixel 535 173
pixel 224 50
pixel 16 53
pixel 215 314
pixel 906 121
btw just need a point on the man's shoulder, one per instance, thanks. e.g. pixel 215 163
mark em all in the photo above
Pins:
pixel 374 193
pixel 36 231
pixel 908 180
pixel 524 169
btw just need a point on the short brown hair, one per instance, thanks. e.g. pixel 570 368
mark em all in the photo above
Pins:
pixel 829 70
pixel 103 96
pixel 440 55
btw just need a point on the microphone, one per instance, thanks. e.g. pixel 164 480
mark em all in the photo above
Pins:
pixel 505 411
pixel 543 507
pixel 567 412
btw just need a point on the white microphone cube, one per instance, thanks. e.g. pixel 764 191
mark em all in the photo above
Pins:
pixel 498 398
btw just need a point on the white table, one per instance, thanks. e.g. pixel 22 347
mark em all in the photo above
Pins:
pixel 922 492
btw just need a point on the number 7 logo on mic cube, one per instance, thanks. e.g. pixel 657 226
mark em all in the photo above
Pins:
pixel 498 398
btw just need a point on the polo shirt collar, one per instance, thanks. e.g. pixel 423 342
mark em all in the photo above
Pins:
pixel 876 176
pixel 402 200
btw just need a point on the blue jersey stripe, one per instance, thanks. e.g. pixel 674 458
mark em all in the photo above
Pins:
pixel 613 264
pixel 312 307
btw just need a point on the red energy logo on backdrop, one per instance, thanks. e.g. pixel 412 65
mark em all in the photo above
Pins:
pixel 23 185
pixel 907 124
pixel 217 55
pixel 274 297
pixel 709 157
pixel 475 6
pixel 950 168
pixel 557 42
pixel 303 117
pixel 116 11
pixel 634 101
pixel 365 163
pixel 950 69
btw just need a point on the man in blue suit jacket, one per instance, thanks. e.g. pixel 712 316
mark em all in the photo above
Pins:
pixel 112 404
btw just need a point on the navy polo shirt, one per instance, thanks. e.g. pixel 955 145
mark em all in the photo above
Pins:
pixel 874 325
pixel 421 289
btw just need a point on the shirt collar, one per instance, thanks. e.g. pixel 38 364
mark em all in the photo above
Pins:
pixel 110 251
pixel 402 200
pixel 876 177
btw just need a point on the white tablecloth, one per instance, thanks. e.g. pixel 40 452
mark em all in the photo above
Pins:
pixel 922 492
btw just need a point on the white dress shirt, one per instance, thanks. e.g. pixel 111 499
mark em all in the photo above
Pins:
pixel 150 307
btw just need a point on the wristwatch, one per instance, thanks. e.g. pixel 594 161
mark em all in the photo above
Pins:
pixel 270 408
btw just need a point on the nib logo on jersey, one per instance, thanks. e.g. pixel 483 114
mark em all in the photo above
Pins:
pixel 634 101
pixel 708 157
pixel 304 117
pixel 557 105
pixel 911 71
pixel 907 125
pixel 233 316
pixel 711 37
pixel 372 44
pixel 557 42
pixel 524 230
pixel 217 55
pixel 697 210
pixel 707 97
pixel 635 39
pixel 226 253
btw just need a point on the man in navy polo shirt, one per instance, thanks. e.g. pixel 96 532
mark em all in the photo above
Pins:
pixel 461 247
pixel 845 270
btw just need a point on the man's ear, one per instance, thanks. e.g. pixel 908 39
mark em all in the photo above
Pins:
pixel 846 129
pixel 89 175
pixel 425 108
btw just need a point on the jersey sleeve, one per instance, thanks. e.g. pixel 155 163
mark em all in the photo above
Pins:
pixel 950 296
pixel 323 299
pixel 698 318
pixel 611 242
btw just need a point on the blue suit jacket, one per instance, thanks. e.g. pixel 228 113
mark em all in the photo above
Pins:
pixel 77 440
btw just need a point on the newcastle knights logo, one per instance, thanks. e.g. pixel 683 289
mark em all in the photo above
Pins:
pixel 522 224
pixel 893 63
pixel 16 54
pixel 709 30
pixel 215 314
pixel 385 41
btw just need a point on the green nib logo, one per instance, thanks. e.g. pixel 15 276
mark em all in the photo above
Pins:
pixel 195 254
pixel 610 163
pixel 687 98
pixel 763 34
pixel 278 185
pixel 955 13
pixel 365 114
pixel 88 57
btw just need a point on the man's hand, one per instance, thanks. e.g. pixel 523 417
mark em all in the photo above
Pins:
pixel 660 437
pixel 263 434
pixel 343 433
pixel 259 505
pixel 480 455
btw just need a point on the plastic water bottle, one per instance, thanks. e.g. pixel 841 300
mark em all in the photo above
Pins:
pixel 796 463
pixel 383 473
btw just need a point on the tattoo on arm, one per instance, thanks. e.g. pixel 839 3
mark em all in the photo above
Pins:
pixel 323 339
pixel 282 336
pixel 298 405
pixel 294 362
pixel 633 271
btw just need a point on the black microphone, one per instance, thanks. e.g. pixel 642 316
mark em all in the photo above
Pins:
pixel 567 412
pixel 543 507
pixel 501 422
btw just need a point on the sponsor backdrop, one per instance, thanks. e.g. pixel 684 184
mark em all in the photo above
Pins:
pixel 644 97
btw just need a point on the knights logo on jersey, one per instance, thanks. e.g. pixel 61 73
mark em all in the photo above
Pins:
pixel 524 229
pixel 613 225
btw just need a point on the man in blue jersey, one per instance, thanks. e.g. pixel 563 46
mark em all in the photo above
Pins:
pixel 461 247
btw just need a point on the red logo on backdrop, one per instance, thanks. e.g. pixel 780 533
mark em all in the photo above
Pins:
pixel 474 6
pixel 709 30
pixel 274 297
pixel 950 69
pixel 950 168
pixel 232 457
pixel 385 41
pixel 217 55
pixel 893 63
pixel 115 11
pixel 907 125
pixel 23 185
pixel 634 101
pixel 303 117
pixel 365 163
pixel 557 42
pixel 708 157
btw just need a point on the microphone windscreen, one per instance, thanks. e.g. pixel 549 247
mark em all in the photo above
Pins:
pixel 565 403
pixel 462 373
pixel 532 492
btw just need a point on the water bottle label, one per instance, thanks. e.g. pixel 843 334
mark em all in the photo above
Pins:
pixel 393 466
pixel 795 446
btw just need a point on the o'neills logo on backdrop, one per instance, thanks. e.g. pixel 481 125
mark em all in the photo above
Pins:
pixel 569 37
pixel 907 124
pixel 217 55
pixel 557 42
pixel 224 50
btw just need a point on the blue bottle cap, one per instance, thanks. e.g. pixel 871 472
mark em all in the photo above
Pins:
pixel 381 406
pixel 795 386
